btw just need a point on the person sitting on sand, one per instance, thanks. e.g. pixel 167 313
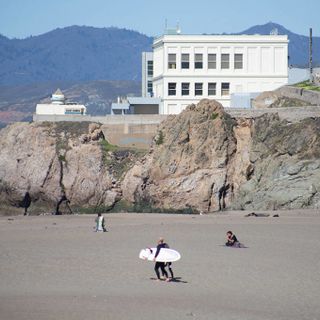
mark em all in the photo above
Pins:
pixel 231 239
pixel 160 265
pixel 100 225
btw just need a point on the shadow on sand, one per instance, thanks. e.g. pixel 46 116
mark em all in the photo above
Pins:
pixel 174 280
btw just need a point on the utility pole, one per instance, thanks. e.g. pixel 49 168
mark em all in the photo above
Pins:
pixel 310 56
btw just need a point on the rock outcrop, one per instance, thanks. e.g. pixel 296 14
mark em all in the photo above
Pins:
pixel 287 96
pixel 202 160
pixel 189 164
pixel 285 160
pixel 62 165
pixel 207 161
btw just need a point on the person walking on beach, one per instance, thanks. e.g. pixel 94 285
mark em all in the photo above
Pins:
pixel 231 239
pixel 26 203
pixel 168 264
pixel 100 224
pixel 160 265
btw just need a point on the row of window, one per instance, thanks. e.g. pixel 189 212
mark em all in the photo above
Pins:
pixel 212 61
pixel 198 89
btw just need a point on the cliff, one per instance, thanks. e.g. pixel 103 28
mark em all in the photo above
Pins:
pixel 202 160
pixel 64 166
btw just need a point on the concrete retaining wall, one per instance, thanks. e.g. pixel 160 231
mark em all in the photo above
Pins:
pixel 130 134
pixel 122 130
pixel 291 114
pixel 107 119
pixel 139 130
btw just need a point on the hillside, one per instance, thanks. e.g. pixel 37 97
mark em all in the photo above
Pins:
pixel 73 54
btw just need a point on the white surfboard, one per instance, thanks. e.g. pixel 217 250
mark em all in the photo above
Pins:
pixel 165 255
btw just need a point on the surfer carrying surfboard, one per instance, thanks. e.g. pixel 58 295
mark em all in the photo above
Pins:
pixel 160 265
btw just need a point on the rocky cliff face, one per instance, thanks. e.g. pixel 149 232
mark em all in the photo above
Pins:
pixel 62 166
pixel 205 160
pixel 285 161
pixel 201 160
pixel 190 164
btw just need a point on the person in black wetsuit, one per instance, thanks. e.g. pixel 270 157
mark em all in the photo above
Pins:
pixel 168 264
pixel 160 265
pixel 231 239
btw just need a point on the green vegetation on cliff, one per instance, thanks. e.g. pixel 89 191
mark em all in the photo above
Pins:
pixel 307 85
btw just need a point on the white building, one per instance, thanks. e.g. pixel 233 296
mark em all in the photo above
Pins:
pixel 188 68
pixel 147 74
pixel 59 106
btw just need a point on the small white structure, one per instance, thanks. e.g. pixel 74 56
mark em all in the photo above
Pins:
pixel 59 106
pixel 188 68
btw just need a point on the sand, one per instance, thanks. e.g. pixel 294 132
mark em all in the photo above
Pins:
pixel 56 267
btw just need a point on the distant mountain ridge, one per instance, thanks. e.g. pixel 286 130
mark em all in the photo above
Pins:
pixel 73 54
pixel 80 53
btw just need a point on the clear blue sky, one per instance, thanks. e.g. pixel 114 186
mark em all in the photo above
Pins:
pixel 22 18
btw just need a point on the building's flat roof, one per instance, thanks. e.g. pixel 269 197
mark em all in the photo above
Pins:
pixel 143 100
pixel 62 105
pixel 225 38
pixel 134 101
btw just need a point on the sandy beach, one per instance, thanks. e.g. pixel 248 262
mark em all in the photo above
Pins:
pixel 57 267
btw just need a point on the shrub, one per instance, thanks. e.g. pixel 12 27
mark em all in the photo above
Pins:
pixel 160 138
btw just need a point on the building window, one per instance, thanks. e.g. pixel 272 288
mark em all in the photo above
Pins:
pixel 225 61
pixel 198 61
pixel 150 68
pixel 172 64
pixel 225 88
pixel 238 61
pixel 150 89
pixel 185 86
pixel 185 61
pixel 212 89
pixel 198 89
pixel 74 111
pixel 212 61
pixel 172 88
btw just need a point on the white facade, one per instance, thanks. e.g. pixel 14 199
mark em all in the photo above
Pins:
pixel 188 68
pixel 59 106
pixel 52 109
pixel 147 74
